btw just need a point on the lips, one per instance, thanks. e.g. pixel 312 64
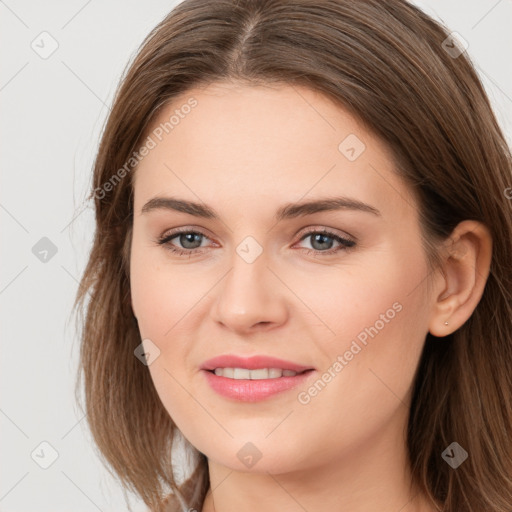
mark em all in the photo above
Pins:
pixel 250 389
pixel 252 363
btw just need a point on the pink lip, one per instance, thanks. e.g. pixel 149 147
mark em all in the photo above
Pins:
pixel 247 390
pixel 253 390
pixel 251 363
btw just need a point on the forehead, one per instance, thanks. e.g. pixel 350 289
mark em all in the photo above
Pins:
pixel 230 141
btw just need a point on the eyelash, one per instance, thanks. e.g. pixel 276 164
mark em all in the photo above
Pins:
pixel 345 243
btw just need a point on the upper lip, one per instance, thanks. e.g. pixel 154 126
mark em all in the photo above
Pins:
pixel 252 363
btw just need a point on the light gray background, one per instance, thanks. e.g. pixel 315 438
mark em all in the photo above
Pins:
pixel 52 113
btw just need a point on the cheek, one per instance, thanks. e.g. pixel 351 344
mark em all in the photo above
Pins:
pixel 161 296
pixel 161 299
pixel 378 292
pixel 380 320
pixel 378 311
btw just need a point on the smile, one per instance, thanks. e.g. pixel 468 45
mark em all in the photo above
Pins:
pixel 256 374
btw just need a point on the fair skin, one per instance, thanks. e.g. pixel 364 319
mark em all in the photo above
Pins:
pixel 245 151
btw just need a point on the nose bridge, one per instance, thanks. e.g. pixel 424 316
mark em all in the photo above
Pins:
pixel 247 297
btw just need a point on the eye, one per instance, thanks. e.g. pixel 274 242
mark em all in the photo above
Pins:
pixel 324 239
pixel 190 241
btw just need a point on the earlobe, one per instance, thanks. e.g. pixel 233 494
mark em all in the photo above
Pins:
pixel 466 260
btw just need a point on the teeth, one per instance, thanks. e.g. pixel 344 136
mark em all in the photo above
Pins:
pixel 258 374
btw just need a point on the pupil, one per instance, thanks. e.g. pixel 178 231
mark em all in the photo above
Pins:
pixel 189 238
pixel 321 238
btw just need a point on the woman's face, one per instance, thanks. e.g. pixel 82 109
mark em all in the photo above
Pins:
pixel 259 278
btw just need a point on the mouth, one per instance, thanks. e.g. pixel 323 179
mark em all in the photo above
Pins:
pixel 261 363
pixel 255 374
pixel 242 389
pixel 255 378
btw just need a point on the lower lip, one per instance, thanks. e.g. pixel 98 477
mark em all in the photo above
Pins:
pixel 246 390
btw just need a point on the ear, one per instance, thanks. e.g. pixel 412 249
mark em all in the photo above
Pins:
pixel 466 260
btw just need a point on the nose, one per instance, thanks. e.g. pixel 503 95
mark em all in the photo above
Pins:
pixel 250 298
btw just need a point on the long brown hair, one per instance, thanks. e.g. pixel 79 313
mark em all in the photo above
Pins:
pixel 388 63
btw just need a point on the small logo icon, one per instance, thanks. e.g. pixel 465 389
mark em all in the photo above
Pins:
pixel 351 147
pixel 249 455
pixel 249 249
pixel 454 45
pixel 45 45
pixel 455 455
pixel 44 250
pixel 44 455
pixel 147 352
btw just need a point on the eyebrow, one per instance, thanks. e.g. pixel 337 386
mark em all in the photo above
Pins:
pixel 288 211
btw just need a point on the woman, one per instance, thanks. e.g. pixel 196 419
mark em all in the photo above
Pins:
pixel 301 265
